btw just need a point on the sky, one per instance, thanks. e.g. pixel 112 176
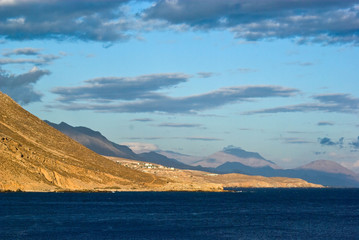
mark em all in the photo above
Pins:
pixel 277 77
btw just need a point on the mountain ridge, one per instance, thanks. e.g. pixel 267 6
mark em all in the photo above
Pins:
pixel 94 140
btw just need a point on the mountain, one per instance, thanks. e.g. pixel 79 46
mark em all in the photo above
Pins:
pixel 327 173
pixel 229 160
pixel 36 157
pixel 327 166
pixel 236 155
pixel 94 140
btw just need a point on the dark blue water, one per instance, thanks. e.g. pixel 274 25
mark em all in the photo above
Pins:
pixel 249 214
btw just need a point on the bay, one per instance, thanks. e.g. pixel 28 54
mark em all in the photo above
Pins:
pixel 239 214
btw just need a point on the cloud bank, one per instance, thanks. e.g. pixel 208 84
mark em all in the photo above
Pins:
pixel 142 94
pixel 333 21
pixel 328 22
pixel 121 88
pixel 57 19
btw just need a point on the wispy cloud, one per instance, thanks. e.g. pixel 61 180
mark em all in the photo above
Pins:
pixel 246 70
pixel 206 139
pixel 336 102
pixel 206 74
pixel 121 88
pixel 301 64
pixel 295 140
pixel 21 87
pixel 23 51
pixel 37 58
pixel 180 125
pixel 142 120
pixel 140 147
pixel 325 123
pixel 40 60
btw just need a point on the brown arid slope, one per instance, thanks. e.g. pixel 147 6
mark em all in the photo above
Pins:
pixel 233 180
pixel 37 157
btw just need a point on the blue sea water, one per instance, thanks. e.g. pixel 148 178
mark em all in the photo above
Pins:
pixel 243 214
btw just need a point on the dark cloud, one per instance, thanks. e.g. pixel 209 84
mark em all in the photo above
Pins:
pixel 355 144
pixel 121 88
pixel 325 123
pixel 180 125
pixel 148 101
pixel 328 142
pixel 21 87
pixel 56 19
pixel 319 153
pixel 333 21
pixel 337 102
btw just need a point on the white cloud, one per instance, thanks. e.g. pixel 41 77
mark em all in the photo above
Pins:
pixel 139 147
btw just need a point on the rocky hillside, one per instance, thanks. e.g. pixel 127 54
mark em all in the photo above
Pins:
pixel 37 157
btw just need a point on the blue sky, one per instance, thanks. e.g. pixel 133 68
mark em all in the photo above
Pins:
pixel 276 77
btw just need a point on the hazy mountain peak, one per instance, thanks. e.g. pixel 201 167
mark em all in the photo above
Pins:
pixel 328 166
pixel 239 152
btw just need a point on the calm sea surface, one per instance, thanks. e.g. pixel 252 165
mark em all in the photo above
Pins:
pixel 245 214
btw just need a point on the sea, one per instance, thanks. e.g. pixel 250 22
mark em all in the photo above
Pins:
pixel 239 214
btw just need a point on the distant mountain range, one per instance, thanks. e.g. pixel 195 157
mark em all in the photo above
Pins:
pixel 230 160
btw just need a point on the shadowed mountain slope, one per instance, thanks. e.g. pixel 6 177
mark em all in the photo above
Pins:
pixel 94 140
